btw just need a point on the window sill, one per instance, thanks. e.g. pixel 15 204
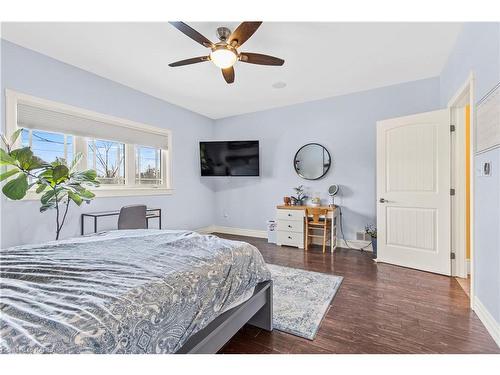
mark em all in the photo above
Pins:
pixel 109 191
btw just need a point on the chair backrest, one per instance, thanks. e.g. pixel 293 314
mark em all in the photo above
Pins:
pixel 316 212
pixel 132 217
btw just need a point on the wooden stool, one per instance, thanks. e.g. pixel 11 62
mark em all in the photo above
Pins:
pixel 315 222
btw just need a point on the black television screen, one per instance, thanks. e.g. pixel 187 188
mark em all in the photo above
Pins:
pixel 230 158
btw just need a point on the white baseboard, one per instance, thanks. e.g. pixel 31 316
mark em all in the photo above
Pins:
pixel 231 230
pixel 491 325
pixel 353 244
pixel 205 230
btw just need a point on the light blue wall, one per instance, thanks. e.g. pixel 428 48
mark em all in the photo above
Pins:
pixel 345 125
pixel 32 73
pixel 478 49
pixel 487 233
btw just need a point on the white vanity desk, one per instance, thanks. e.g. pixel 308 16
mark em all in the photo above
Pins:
pixel 291 225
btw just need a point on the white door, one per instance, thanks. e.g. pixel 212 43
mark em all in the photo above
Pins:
pixel 413 191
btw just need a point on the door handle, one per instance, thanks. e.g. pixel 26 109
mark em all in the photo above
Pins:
pixel 382 200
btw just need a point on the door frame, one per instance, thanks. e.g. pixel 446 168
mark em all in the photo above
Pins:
pixel 464 96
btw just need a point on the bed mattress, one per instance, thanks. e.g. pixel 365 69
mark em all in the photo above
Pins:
pixel 137 291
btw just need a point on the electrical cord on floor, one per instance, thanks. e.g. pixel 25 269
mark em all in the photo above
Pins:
pixel 362 249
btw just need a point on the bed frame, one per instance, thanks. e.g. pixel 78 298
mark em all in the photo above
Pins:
pixel 257 311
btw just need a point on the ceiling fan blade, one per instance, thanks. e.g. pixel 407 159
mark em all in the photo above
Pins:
pixel 243 32
pixel 193 60
pixel 192 33
pixel 258 58
pixel 228 74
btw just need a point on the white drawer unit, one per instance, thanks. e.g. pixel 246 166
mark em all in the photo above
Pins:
pixel 295 215
pixel 291 226
pixel 291 239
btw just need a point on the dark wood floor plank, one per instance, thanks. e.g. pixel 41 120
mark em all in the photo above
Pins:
pixel 379 308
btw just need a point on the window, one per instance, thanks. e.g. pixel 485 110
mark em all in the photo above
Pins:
pixel 130 158
pixel 148 165
pixel 108 159
pixel 48 146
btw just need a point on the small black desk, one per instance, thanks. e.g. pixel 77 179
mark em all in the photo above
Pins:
pixel 151 213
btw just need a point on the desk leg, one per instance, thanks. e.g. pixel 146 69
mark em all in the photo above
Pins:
pixel 159 219
pixel 81 228
pixel 95 224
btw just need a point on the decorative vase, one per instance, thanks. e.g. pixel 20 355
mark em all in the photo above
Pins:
pixel 374 247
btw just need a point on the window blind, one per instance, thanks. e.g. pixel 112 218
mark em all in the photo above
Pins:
pixel 33 117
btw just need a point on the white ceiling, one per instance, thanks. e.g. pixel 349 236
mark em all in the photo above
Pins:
pixel 321 59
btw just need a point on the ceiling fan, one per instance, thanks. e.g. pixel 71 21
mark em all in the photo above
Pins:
pixel 224 53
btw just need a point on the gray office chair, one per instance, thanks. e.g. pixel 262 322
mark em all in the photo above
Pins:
pixel 132 217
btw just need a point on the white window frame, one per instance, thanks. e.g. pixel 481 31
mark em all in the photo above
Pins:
pixel 13 98
pixel 30 132
pixel 137 164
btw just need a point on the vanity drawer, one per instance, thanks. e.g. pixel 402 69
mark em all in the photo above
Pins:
pixel 290 238
pixel 291 225
pixel 295 215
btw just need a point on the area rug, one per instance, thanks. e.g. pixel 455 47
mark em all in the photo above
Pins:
pixel 301 299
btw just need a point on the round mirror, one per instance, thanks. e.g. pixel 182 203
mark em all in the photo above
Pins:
pixel 312 161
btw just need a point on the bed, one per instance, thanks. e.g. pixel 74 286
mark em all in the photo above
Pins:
pixel 132 291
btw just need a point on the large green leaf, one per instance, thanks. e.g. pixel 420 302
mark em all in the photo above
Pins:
pixel 48 196
pixel 5 158
pixel 15 135
pixel 75 198
pixel 36 163
pixel 87 194
pixel 60 173
pixel 48 205
pixel 76 160
pixel 40 188
pixel 46 175
pixel 7 174
pixel 16 189
pixel 23 156
pixel 88 175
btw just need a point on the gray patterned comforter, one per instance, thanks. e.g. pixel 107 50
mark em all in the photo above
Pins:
pixel 122 291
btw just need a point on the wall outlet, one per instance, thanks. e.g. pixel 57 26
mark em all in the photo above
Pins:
pixel 362 236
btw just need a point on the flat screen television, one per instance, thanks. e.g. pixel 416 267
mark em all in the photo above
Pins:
pixel 229 158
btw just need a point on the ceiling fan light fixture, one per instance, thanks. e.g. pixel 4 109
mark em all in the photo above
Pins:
pixel 223 57
pixel 224 54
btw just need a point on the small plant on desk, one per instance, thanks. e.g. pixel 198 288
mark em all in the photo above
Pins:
pixel 300 197
pixel 59 183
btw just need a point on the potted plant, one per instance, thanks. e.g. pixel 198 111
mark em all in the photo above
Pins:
pixel 371 230
pixel 60 184
pixel 300 197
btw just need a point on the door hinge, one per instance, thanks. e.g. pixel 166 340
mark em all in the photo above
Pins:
pixel 452 255
pixel 452 191
pixel 452 128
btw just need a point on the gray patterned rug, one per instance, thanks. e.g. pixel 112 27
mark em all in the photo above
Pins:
pixel 301 299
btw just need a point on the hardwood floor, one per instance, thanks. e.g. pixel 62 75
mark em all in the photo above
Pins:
pixel 379 308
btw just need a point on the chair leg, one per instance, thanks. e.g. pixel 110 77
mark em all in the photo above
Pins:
pixel 324 239
pixel 331 242
pixel 307 237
